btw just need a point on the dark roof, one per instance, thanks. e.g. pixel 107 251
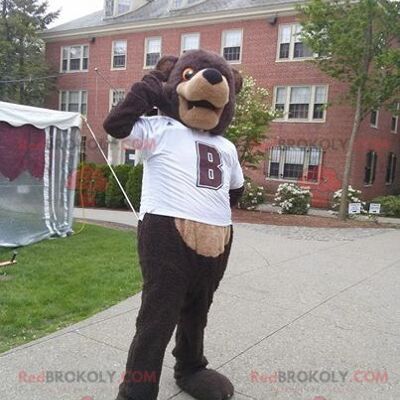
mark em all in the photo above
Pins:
pixel 160 9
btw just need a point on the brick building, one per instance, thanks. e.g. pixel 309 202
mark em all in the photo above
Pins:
pixel 259 37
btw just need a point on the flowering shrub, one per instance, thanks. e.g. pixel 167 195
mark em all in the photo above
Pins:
pixel 253 196
pixel 353 196
pixel 250 124
pixel 292 199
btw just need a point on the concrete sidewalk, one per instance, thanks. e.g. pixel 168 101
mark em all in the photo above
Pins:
pixel 320 305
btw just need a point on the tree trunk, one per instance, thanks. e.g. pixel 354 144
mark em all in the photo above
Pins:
pixel 349 157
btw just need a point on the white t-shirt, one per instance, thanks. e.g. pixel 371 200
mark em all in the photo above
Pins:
pixel 187 173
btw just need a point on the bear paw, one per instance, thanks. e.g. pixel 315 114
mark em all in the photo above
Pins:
pixel 206 384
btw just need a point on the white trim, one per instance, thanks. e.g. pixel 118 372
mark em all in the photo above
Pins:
pixel 396 117
pixel 111 96
pixel 68 92
pixel 174 22
pixel 223 37
pixel 46 182
pixel 376 125
pixel 41 118
pixel 310 119
pixel 113 55
pixel 68 70
pixel 306 164
pixel 66 168
pixel 292 42
pixel 146 41
pixel 189 34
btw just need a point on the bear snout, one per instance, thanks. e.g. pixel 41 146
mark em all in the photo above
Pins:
pixel 213 76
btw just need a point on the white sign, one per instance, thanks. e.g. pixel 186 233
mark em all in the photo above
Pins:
pixel 374 208
pixel 355 208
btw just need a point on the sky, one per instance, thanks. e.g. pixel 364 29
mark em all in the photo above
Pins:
pixel 72 9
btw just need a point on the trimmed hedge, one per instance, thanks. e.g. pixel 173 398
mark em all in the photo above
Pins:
pixel 134 185
pixel 114 197
pixel 390 205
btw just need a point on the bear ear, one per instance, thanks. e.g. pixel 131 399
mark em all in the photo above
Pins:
pixel 165 65
pixel 238 80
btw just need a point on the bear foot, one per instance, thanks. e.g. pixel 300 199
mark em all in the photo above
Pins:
pixel 206 384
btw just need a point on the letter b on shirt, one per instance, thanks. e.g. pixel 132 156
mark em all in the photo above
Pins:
pixel 209 174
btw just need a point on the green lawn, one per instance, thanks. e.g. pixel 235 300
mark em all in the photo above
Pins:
pixel 61 281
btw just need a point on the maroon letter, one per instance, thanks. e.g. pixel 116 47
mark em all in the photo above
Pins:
pixel 209 173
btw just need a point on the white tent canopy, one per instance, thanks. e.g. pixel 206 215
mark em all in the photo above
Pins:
pixel 41 118
pixel 39 152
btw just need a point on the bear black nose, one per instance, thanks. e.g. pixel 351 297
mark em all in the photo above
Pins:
pixel 213 76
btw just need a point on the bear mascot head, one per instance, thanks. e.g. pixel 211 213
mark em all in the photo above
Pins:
pixel 200 90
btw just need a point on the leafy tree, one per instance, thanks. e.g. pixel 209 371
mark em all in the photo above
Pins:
pixel 22 59
pixel 249 127
pixel 356 43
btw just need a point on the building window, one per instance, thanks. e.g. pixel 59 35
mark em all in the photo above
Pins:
pixel 82 150
pixel 116 96
pixel 119 54
pixel 123 6
pixel 114 8
pixel 74 101
pixel 190 41
pixel 232 45
pixel 374 118
pixel 394 125
pixel 370 168
pixel 391 168
pixel 303 103
pixel 75 58
pixel 290 46
pixel 153 51
pixel 109 8
pixel 177 4
pixel 294 163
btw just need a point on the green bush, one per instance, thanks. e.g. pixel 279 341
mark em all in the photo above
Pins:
pixel 390 205
pixel 114 196
pixel 134 185
pixel 253 195
pixel 292 199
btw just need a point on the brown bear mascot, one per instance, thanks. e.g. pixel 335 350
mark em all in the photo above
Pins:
pixel 192 178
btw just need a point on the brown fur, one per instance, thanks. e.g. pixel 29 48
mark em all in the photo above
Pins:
pixel 205 240
pixel 200 60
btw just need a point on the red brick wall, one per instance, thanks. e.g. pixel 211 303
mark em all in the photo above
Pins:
pixel 259 60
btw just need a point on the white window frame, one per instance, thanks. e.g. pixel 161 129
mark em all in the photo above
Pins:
pixel 376 125
pixel 111 98
pixel 291 44
pixel 374 164
pixel 306 164
pixel 223 39
pixel 393 169
pixel 185 35
pixel 310 119
pixel 184 4
pixel 146 46
pixel 113 68
pixel 115 9
pixel 396 118
pixel 68 70
pixel 81 91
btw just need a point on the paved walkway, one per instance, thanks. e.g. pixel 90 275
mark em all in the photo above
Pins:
pixel 302 313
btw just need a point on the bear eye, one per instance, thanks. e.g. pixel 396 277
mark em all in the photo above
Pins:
pixel 188 74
